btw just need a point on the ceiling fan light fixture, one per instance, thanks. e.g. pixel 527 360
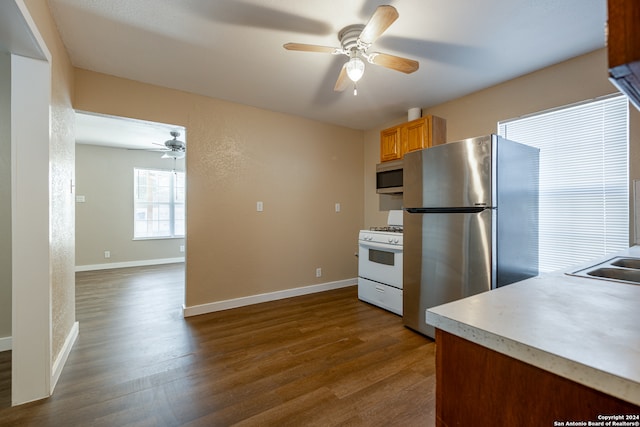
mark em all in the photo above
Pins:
pixel 173 155
pixel 355 69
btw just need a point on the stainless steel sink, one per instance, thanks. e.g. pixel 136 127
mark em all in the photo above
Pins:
pixel 618 269
pixel 627 263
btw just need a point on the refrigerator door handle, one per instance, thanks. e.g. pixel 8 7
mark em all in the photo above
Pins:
pixel 474 209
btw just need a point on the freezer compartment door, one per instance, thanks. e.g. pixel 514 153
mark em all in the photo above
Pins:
pixel 447 256
pixel 456 174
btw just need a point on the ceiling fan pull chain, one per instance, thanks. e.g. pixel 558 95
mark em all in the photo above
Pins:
pixel 355 89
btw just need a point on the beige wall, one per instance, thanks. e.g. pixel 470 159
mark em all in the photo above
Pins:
pixel 238 155
pixel 62 144
pixel 5 195
pixel 578 79
pixel 105 220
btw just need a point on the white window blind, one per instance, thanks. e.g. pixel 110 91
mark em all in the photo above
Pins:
pixel 159 204
pixel 584 184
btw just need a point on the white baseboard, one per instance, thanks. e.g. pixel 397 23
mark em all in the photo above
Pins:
pixel 271 296
pixel 5 344
pixel 141 263
pixel 60 361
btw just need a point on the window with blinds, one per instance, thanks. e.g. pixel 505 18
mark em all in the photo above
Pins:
pixel 584 179
pixel 159 204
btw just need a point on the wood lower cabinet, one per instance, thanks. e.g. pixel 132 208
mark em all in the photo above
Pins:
pixel 417 134
pixel 481 387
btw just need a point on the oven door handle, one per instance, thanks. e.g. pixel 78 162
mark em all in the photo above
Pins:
pixel 376 245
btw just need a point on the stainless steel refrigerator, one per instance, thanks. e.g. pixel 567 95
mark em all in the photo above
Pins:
pixel 470 222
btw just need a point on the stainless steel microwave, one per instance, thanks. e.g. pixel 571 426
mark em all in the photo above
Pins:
pixel 389 177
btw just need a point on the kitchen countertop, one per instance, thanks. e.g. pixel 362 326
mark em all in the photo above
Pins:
pixel 586 330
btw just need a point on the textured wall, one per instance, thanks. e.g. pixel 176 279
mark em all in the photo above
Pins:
pixel 578 79
pixel 105 220
pixel 238 155
pixel 62 161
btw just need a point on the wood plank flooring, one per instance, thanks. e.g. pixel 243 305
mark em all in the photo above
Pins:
pixel 326 359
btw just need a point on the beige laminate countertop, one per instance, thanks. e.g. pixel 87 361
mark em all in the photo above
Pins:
pixel 586 330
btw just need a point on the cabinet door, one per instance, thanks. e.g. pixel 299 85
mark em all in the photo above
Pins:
pixel 416 135
pixel 623 47
pixel 390 144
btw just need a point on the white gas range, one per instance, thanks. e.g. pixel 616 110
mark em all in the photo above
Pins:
pixel 380 264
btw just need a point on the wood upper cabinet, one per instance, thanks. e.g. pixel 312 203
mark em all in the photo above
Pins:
pixel 417 134
pixel 391 144
pixel 623 47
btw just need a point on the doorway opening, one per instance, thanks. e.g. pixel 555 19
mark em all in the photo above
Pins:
pixel 125 217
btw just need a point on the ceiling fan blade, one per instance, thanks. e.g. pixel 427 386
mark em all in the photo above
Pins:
pixel 310 48
pixel 381 19
pixel 343 80
pixel 397 63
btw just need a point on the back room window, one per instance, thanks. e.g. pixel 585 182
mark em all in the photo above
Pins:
pixel 159 204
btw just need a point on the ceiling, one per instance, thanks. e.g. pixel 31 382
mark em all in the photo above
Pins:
pixel 232 49
pixel 119 132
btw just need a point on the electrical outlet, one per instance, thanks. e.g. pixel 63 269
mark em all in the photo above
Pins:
pixel 107 254
pixel 259 206
pixel 318 272
pixel 337 207
pixel 181 248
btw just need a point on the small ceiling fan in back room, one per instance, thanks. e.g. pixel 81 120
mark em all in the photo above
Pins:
pixel 173 148
pixel 355 41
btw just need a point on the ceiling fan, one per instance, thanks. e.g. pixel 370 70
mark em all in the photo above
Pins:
pixel 174 149
pixel 356 41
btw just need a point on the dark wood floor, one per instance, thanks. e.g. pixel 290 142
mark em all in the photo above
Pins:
pixel 326 359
